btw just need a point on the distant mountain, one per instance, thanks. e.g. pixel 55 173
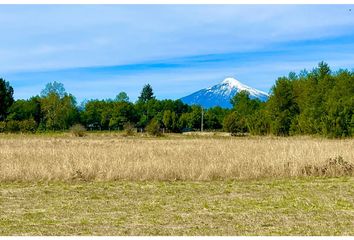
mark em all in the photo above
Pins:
pixel 221 94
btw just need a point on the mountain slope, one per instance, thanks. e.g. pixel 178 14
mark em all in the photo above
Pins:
pixel 220 94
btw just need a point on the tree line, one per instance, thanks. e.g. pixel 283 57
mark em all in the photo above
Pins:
pixel 319 102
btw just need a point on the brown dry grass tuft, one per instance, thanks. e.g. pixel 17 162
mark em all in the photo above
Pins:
pixel 110 157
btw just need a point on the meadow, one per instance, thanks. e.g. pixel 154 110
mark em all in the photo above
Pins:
pixel 106 157
pixel 110 184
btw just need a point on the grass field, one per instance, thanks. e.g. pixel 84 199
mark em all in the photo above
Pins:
pixel 113 157
pixel 107 184
pixel 268 207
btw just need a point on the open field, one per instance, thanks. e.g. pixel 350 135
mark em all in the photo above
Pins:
pixel 107 184
pixel 309 206
pixel 109 157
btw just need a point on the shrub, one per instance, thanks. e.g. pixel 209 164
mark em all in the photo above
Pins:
pixel 41 127
pixel 129 129
pixel 153 128
pixel 333 167
pixel 2 126
pixel 12 126
pixel 28 125
pixel 235 123
pixel 78 130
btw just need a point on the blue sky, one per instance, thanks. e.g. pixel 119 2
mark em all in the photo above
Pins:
pixel 99 50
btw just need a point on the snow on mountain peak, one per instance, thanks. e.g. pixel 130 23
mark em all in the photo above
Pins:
pixel 230 84
pixel 233 84
pixel 220 94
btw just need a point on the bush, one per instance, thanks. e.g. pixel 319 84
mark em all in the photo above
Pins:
pixel 129 129
pixel 78 130
pixel 2 126
pixel 235 123
pixel 41 127
pixel 29 125
pixel 333 167
pixel 12 126
pixel 153 128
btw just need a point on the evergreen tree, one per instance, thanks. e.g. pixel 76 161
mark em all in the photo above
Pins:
pixel 282 106
pixel 146 94
pixel 6 98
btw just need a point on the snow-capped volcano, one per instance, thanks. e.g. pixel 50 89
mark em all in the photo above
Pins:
pixel 221 94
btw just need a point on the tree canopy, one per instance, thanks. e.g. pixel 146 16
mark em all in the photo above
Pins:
pixel 6 98
pixel 146 94
pixel 316 102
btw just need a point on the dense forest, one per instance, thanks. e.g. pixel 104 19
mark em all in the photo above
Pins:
pixel 319 102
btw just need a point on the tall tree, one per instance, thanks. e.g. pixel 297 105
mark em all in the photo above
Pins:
pixel 54 87
pixel 6 98
pixel 243 104
pixel 146 94
pixel 170 120
pixel 58 108
pixel 282 106
pixel 122 97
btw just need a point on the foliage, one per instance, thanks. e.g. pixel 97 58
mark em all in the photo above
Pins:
pixel 6 98
pixel 317 102
pixel 54 87
pixel 59 113
pixel 2 126
pixel 28 126
pixel 129 129
pixel 170 120
pixel 146 94
pixel 154 128
pixel 244 116
pixel 12 126
pixel 235 123
pixel 122 97
pixel 78 130
pixel 25 109
pixel 213 118
pixel 282 106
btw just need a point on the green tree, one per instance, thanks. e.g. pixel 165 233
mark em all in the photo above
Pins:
pixel 183 122
pixel 170 120
pixel 259 123
pixel 122 113
pixel 282 106
pixel 54 87
pixel 25 109
pixel 146 94
pixel 195 117
pixel 243 104
pixel 245 109
pixel 213 117
pixel 122 97
pixel 154 127
pixel 59 112
pixel 235 123
pixel 28 125
pixel 6 98
pixel 339 106
pixel 91 115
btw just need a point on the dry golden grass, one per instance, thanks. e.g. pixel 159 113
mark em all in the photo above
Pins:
pixel 112 157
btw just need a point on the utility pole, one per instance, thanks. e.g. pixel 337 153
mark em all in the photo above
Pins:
pixel 201 128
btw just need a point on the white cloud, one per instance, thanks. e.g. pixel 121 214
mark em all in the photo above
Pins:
pixel 68 36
